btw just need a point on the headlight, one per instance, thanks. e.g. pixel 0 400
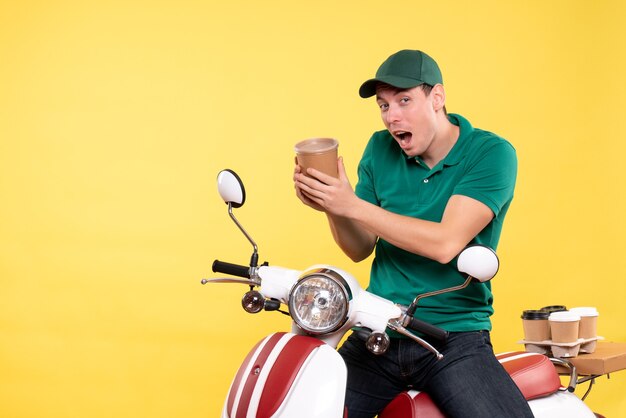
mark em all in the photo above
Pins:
pixel 319 301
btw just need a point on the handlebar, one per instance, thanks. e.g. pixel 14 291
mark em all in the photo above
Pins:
pixel 427 329
pixel 232 269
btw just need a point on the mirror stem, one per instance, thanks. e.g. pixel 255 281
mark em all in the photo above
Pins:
pixel 255 255
pixel 254 259
pixel 411 310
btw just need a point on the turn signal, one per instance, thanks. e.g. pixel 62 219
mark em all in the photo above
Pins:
pixel 378 343
pixel 253 302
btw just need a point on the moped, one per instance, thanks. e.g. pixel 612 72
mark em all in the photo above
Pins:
pixel 300 373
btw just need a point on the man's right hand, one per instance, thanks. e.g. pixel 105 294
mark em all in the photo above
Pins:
pixel 302 194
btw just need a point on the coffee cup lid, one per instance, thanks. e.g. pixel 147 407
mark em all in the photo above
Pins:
pixel 564 316
pixel 533 314
pixel 554 308
pixel 585 311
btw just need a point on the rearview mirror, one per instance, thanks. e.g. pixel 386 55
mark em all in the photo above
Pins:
pixel 230 188
pixel 479 262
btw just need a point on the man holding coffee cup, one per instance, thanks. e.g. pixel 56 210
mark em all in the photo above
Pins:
pixel 429 185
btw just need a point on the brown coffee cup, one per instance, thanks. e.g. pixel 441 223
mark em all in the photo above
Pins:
pixel 318 153
pixel 588 322
pixel 536 325
pixel 564 326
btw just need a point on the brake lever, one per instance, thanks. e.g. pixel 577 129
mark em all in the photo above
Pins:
pixel 396 326
pixel 249 282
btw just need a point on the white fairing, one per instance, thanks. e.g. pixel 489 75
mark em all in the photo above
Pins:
pixel 276 282
pixel 318 390
pixel 560 405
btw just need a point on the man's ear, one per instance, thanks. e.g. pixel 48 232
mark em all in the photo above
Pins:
pixel 439 97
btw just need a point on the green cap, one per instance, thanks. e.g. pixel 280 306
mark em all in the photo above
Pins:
pixel 405 69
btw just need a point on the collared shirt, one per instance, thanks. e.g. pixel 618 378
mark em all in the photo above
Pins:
pixel 482 166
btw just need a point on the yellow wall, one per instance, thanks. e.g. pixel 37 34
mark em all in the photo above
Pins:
pixel 115 117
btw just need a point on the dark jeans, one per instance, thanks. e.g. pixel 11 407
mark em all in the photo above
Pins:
pixel 468 382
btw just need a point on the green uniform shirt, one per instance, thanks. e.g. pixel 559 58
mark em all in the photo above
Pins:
pixel 481 165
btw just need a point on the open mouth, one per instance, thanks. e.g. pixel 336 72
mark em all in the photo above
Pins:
pixel 403 137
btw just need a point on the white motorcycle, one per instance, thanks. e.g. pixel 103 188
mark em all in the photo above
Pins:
pixel 300 373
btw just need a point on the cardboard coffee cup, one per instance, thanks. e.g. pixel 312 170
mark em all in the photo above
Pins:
pixel 564 326
pixel 536 325
pixel 588 321
pixel 318 153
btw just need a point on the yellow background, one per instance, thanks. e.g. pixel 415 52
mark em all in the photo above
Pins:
pixel 115 117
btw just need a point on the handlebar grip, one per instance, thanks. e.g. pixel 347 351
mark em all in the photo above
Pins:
pixel 232 269
pixel 428 329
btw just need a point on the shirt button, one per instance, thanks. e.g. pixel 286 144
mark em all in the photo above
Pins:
pixel 425 180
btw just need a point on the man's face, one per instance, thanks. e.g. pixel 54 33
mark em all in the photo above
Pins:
pixel 409 116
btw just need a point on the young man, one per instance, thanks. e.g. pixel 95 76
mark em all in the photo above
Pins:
pixel 429 185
